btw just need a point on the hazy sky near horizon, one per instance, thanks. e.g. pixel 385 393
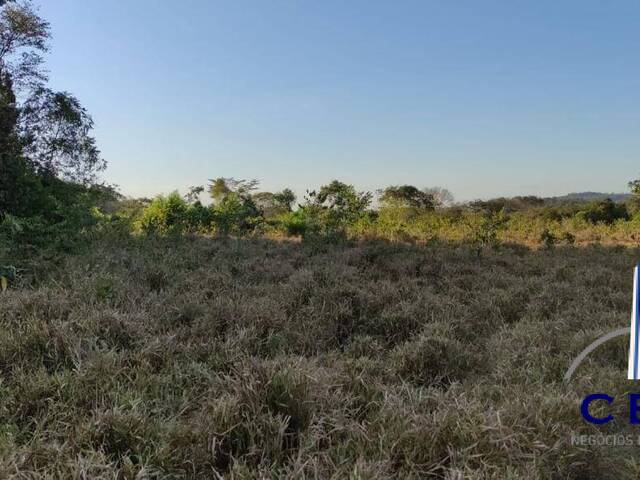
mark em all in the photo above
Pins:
pixel 486 98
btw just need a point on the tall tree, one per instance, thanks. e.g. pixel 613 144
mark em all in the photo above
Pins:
pixel 23 40
pixel 273 204
pixel 57 134
pixel 285 199
pixel 341 197
pixel 441 196
pixel 221 188
pixel 12 167
pixel 634 186
pixel 41 132
pixel 407 196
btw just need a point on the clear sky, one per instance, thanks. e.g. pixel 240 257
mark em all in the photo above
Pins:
pixel 483 97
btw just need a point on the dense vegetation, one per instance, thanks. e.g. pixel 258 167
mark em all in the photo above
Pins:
pixel 337 212
pixel 48 158
pixel 49 192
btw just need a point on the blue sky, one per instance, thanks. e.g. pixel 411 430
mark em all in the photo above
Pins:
pixel 486 98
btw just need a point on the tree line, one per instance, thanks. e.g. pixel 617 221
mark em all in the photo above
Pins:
pixel 337 210
pixel 237 207
pixel 49 166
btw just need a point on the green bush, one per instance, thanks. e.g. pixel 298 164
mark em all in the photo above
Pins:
pixel 332 209
pixel 485 229
pixel 236 214
pixel 605 211
pixel 547 238
pixel 165 215
pixel 198 218
pixel 294 223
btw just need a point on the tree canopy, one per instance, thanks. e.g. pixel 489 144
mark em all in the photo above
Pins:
pixel 407 196
pixel 45 136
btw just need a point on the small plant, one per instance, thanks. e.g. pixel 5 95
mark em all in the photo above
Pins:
pixel 7 274
pixel 548 239
pixel 568 238
pixel 485 232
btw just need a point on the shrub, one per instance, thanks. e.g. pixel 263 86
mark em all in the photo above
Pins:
pixel 568 238
pixel 234 209
pixel 486 228
pixel 236 213
pixel 333 208
pixel 165 215
pixel 198 218
pixel 547 238
pixel 605 211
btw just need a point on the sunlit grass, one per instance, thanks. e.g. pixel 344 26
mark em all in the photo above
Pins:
pixel 197 357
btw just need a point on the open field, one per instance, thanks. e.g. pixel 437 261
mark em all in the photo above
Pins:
pixel 196 357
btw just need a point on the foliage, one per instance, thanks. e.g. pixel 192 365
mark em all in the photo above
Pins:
pixel 56 132
pixel 605 211
pixel 19 187
pixel 407 196
pixel 220 188
pixel 234 209
pixel 329 211
pixel 294 223
pixel 274 204
pixel 485 229
pixel 44 135
pixel 236 213
pixel 548 239
pixel 340 198
pixel 165 215
pixel 193 195
pixel 23 39
pixel 441 196
pixel 507 205
pixel 285 199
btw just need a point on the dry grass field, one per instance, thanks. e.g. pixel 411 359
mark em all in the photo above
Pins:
pixel 196 357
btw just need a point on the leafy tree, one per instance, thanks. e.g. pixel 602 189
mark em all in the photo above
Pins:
pixel 329 211
pixel 265 201
pixel 198 217
pixel 509 205
pixel 407 196
pixel 634 186
pixel 56 129
pixel 340 198
pixel 23 39
pixel 274 204
pixel 45 136
pixel 220 188
pixel 606 211
pixel 234 210
pixel 441 196
pixel 285 199
pixel 193 194
pixel 14 173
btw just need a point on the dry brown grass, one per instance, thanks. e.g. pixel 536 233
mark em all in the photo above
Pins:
pixel 197 358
